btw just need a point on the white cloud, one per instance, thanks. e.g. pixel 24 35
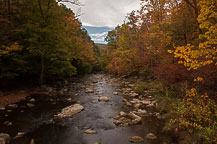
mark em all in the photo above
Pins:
pixel 105 12
pixel 99 34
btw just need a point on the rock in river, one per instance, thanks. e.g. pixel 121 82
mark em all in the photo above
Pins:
pixel 90 131
pixel 32 100
pixel 151 136
pixel 4 138
pixel 2 141
pixel 103 99
pixel 136 119
pixel 88 90
pixel 70 111
pixel 116 117
pixel 123 114
pixel 13 106
pixel 136 139
pixel 30 105
pixel 115 93
pixel 2 108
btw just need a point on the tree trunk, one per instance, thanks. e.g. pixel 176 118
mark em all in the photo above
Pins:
pixel 9 6
pixel 42 70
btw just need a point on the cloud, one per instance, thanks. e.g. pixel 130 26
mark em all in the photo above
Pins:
pixel 105 12
pixel 99 34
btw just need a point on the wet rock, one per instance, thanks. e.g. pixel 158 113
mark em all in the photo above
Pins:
pixel 69 99
pixel 115 93
pixel 103 99
pixel 4 138
pixel 8 123
pixel 122 114
pixel 136 139
pixel 151 105
pixel 135 101
pixel 32 100
pixel 136 106
pixel 122 118
pixel 151 136
pixel 118 122
pixel 146 102
pixel 32 141
pixel 19 135
pixel 60 92
pixel 9 111
pixel 149 96
pixel 2 141
pixel 131 85
pixel 65 90
pixel 70 111
pixel 134 94
pixel 88 90
pixel 13 106
pixel 123 124
pixel 127 103
pixel 30 105
pixel 117 117
pixel 100 96
pixel 2 108
pixel 90 131
pixel 136 119
pixel 141 112
pixel 157 114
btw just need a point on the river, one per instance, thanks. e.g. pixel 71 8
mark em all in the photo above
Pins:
pixel 38 122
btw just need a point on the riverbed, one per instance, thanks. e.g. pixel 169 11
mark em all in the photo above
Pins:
pixel 36 122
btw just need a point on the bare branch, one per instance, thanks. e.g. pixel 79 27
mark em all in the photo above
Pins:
pixel 78 13
pixel 74 2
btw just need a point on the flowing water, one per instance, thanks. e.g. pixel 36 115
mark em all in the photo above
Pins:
pixel 37 122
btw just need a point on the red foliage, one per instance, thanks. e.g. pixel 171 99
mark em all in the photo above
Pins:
pixel 171 73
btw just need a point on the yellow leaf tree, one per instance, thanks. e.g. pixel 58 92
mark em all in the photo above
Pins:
pixel 194 57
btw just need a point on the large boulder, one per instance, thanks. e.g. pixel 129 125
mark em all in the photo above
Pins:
pixel 70 111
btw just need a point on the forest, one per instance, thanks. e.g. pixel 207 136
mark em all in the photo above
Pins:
pixel 169 47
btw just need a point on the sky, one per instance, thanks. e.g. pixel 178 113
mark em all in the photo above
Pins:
pixel 105 12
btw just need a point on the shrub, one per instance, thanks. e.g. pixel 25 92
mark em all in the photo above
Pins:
pixel 170 74
pixel 196 114
pixel 140 87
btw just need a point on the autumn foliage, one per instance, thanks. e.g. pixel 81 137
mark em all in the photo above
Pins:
pixel 42 39
pixel 173 42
